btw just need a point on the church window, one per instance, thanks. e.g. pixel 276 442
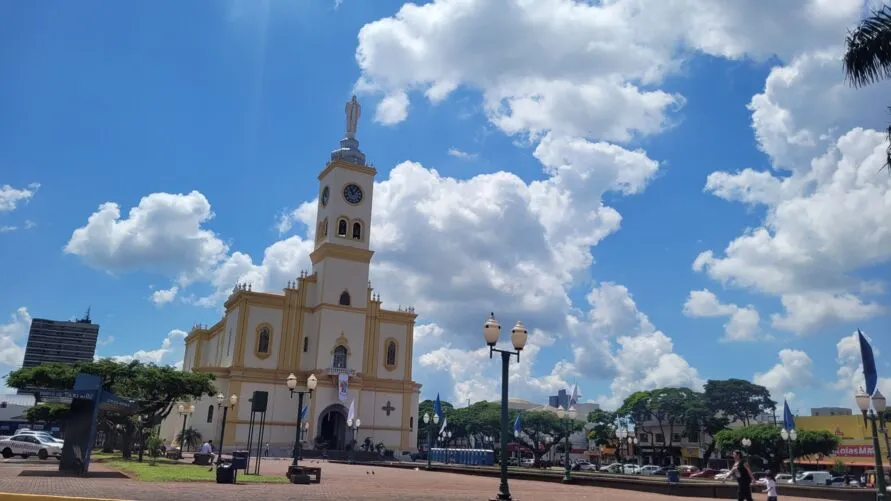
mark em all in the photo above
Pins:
pixel 357 231
pixel 340 357
pixel 411 423
pixel 392 349
pixel 325 227
pixel 342 228
pixel 210 413
pixel 344 298
pixel 264 341
pixel 305 344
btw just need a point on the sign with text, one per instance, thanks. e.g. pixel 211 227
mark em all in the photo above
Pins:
pixel 855 451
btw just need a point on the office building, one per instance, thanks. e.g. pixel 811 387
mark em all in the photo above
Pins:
pixel 561 399
pixel 60 341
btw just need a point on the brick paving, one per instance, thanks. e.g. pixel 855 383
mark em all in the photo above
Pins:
pixel 339 482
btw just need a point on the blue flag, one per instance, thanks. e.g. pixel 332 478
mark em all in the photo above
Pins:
pixel 303 412
pixel 517 425
pixel 437 407
pixel 788 419
pixel 869 364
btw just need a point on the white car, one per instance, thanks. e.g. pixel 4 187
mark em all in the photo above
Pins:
pixel 612 468
pixel 585 466
pixel 649 469
pixel 41 434
pixel 30 445
pixel 630 469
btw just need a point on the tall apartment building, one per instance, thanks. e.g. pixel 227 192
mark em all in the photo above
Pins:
pixel 61 341
pixel 561 399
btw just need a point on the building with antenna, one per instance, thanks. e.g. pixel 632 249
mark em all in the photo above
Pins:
pixel 61 341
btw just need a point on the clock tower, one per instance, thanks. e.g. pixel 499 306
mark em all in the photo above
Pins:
pixel 342 256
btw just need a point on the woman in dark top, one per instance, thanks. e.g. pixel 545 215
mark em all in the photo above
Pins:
pixel 743 476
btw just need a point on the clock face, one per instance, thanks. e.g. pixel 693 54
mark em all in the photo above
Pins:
pixel 326 193
pixel 352 193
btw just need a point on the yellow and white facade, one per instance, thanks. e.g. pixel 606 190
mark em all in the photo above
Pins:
pixel 327 322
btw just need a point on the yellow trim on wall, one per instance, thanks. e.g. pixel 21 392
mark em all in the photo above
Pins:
pixel 342 341
pixel 343 164
pixel 257 353
pixel 387 365
pixel 397 317
pixel 232 414
pixel 406 415
pixel 330 250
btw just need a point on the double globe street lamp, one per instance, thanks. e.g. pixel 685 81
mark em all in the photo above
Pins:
pixel 184 411
pixel 430 434
pixel 518 337
pixel 221 400
pixel 354 427
pixel 875 415
pixel 789 436
pixel 311 382
pixel 568 418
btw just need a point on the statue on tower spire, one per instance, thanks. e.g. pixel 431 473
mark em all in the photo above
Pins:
pixel 353 111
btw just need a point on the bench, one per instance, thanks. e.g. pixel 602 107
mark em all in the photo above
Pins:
pixel 304 475
pixel 174 454
pixel 202 459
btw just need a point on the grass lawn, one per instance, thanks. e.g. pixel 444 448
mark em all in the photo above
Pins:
pixel 170 471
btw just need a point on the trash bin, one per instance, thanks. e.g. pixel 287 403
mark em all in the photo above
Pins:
pixel 673 476
pixel 225 473
pixel 240 459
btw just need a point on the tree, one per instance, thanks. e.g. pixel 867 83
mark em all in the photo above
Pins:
pixel 427 407
pixel 701 419
pixel 604 430
pixel 738 399
pixel 868 56
pixel 155 389
pixel 190 440
pixel 770 446
pixel 540 430
pixel 47 413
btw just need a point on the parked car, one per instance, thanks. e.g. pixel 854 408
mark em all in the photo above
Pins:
pixel 783 477
pixel 706 473
pixel 630 469
pixel 30 445
pixel 612 468
pixel 649 469
pixel 42 434
pixel 583 466
pixel 685 470
pixel 813 478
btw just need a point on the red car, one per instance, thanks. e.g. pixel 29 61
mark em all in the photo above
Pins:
pixel 706 473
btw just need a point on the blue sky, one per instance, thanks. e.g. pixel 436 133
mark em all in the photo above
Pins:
pixel 239 103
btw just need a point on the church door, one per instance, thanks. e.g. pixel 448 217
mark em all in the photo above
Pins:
pixel 332 427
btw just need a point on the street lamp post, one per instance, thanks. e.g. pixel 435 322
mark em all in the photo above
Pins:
pixel 746 443
pixel 518 336
pixel 184 411
pixel 445 437
pixel 790 436
pixel 354 427
pixel 621 434
pixel 233 401
pixel 430 434
pixel 632 447
pixel 877 412
pixel 568 417
pixel 311 383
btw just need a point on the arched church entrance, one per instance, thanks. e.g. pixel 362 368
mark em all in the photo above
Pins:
pixel 332 427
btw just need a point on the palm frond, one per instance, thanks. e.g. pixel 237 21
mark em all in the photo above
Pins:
pixel 868 54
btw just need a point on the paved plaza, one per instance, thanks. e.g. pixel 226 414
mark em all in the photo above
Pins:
pixel 339 482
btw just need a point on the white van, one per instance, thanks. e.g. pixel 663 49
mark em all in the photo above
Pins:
pixel 813 478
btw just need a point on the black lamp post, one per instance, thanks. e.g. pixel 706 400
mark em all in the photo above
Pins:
pixel 568 417
pixel 221 400
pixel 184 411
pixel 875 416
pixel 790 436
pixel 430 434
pixel 354 428
pixel 311 383
pixel 518 336
pixel 445 437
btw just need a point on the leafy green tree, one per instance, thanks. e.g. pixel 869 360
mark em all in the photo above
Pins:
pixel 868 56
pixel 153 447
pixel 770 446
pixel 47 413
pixel 541 430
pixel 427 407
pixel 190 440
pixel 155 389
pixel 604 430
pixel 738 399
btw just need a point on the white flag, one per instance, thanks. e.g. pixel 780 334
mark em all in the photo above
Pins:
pixel 574 398
pixel 351 415
pixel 445 422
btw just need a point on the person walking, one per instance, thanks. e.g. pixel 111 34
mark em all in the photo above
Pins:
pixel 743 476
pixel 266 450
pixel 770 485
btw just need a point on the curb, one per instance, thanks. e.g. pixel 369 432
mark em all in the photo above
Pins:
pixel 11 496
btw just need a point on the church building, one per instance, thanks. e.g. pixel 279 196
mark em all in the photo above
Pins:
pixel 328 322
